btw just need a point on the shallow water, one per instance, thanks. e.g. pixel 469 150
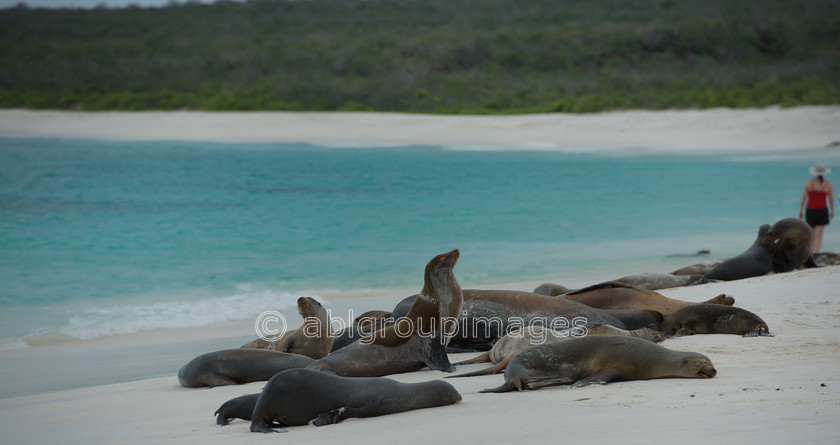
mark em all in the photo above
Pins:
pixel 102 238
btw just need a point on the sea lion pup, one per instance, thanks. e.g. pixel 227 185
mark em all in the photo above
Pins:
pixel 521 339
pixel 600 359
pixel 234 366
pixel 241 407
pixel 298 396
pixel 615 295
pixel 716 319
pixel 488 315
pixel 551 289
pixel 313 339
pixel 790 241
pixel 419 339
pixel 754 262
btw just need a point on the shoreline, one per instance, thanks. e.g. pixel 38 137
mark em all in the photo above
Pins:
pixel 761 383
pixel 717 129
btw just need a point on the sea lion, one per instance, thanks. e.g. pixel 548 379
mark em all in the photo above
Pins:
pixel 419 339
pixel 313 339
pixel 371 320
pixel 699 268
pixel 551 289
pixel 657 280
pixel 234 366
pixel 298 396
pixel 826 259
pixel 519 340
pixel 488 315
pixel 755 261
pixel 600 359
pixel 241 407
pixel 615 295
pixel 716 319
pixel 790 241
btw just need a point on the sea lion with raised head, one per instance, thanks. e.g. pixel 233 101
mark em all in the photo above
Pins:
pixel 419 339
pixel 754 262
pixel 600 359
pixel 790 241
pixel 235 366
pixel 614 295
pixel 716 319
pixel 313 339
pixel 300 396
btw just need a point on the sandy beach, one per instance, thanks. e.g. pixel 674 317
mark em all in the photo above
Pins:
pixel 720 129
pixel 781 389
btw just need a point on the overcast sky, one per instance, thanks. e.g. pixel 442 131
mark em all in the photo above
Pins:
pixel 89 3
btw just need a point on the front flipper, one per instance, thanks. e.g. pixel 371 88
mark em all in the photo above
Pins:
pixel 598 379
pixel 261 426
pixel 544 382
pixel 437 359
pixel 214 379
pixel 335 416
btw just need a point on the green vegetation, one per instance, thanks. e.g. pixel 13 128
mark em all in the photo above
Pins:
pixel 438 56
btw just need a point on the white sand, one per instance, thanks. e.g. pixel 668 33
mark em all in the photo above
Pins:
pixel 765 129
pixel 768 390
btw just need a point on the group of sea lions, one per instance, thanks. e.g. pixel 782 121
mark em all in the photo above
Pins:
pixel 603 333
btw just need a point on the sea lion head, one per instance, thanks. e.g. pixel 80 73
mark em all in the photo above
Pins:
pixel 309 307
pixel 697 366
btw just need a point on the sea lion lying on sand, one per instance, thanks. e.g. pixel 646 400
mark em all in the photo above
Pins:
pixel 234 366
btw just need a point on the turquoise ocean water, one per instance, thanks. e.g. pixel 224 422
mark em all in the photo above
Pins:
pixel 104 238
pixel 101 238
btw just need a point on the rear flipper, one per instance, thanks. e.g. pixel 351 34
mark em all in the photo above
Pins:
pixel 485 357
pixel 598 379
pixel 495 369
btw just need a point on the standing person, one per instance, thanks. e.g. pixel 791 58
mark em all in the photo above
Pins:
pixel 816 213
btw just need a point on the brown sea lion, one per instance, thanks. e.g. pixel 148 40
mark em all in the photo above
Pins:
pixel 372 320
pixel 234 366
pixel 790 242
pixel 614 295
pixel 313 339
pixel 299 396
pixel 419 339
pixel 657 280
pixel 716 319
pixel 517 341
pixel 600 359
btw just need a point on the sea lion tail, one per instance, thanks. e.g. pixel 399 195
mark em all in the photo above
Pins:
pixel 484 357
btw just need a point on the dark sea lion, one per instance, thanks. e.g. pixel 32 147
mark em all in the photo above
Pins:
pixel 419 339
pixel 614 295
pixel 754 262
pixel 551 289
pixel 716 319
pixel 488 315
pixel 313 339
pixel 657 280
pixel 790 241
pixel 517 341
pixel 241 407
pixel 234 366
pixel 600 359
pixel 299 396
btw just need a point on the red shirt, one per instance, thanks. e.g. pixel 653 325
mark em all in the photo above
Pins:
pixel 816 200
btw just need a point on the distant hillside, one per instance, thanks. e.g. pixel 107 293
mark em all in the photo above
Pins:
pixel 439 56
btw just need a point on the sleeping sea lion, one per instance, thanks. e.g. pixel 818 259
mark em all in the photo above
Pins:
pixel 600 359
pixel 620 296
pixel 234 366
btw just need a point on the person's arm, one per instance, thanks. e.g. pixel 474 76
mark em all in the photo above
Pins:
pixel 804 197
pixel 831 200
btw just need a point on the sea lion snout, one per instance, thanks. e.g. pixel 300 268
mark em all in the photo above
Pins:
pixel 705 369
